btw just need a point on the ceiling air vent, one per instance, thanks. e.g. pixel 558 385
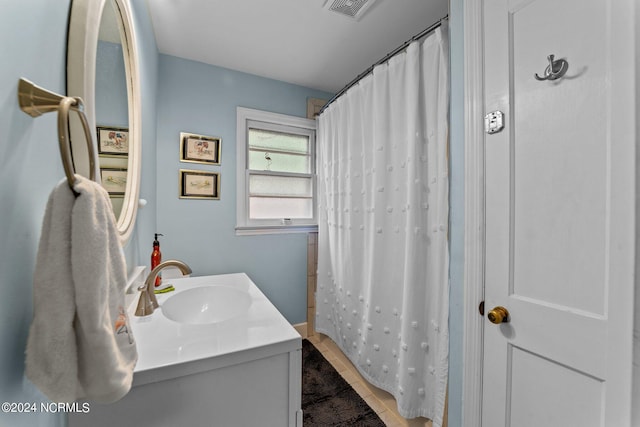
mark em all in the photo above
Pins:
pixel 350 8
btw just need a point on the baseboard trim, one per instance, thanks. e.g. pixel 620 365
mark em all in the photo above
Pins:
pixel 302 329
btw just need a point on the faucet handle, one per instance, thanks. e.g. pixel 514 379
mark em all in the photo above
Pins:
pixel 145 306
pixel 148 301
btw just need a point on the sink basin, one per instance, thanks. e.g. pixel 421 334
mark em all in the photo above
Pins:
pixel 206 305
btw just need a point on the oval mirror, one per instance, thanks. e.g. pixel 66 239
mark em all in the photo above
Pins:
pixel 102 69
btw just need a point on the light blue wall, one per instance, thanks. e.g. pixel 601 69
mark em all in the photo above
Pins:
pixel 33 37
pixel 202 99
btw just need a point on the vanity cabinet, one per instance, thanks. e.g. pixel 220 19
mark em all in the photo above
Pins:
pixel 257 388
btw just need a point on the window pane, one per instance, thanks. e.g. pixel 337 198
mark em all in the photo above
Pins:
pixel 277 208
pixel 279 162
pixel 282 186
pixel 269 140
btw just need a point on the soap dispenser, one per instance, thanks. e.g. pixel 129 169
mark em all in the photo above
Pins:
pixel 156 257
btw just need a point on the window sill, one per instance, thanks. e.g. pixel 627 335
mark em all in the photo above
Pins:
pixel 275 229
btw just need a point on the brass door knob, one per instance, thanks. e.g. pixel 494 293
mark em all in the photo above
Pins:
pixel 498 315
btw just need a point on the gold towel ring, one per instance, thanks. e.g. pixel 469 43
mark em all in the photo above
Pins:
pixel 65 105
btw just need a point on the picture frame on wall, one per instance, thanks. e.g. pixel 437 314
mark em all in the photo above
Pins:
pixel 198 184
pixel 114 180
pixel 196 148
pixel 113 140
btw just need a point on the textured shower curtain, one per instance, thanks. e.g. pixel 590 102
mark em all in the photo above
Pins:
pixel 383 288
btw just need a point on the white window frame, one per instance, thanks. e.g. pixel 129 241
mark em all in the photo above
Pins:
pixel 244 225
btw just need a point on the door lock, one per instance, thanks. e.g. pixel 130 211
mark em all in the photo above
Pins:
pixel 493 122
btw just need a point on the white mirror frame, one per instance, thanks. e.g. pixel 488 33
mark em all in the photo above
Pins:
pixel 84 25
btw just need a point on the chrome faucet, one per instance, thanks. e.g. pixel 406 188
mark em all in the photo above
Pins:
pixel 148 301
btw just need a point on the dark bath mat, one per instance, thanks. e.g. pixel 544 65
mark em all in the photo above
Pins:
pixel 327 399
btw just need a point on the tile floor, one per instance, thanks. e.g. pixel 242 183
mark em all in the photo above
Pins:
pixel 379 400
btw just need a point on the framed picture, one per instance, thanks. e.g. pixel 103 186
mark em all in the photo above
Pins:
pixel 196 184
pixel 113 141
pixel 114 180
pixel 199 148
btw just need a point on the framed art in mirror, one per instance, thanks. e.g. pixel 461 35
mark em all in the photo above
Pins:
pixel 114 180
pixel 113 141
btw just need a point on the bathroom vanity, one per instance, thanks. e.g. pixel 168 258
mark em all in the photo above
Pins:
pixel 210 365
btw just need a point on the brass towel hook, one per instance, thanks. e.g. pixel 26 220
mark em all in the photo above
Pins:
pixel 36 101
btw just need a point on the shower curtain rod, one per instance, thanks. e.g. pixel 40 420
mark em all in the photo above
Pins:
pixel 383 60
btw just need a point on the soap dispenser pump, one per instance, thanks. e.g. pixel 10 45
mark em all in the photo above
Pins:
pixel 156 257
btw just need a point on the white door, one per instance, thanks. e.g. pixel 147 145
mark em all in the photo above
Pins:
pixel 560 213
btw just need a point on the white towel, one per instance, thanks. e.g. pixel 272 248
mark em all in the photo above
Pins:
pixel 80 343
pixel 51 360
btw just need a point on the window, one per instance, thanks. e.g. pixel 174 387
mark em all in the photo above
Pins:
pixel 276 173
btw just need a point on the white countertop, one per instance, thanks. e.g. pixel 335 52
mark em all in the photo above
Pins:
pixel 168 349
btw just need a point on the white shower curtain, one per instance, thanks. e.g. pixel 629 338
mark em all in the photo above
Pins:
pixel 383 290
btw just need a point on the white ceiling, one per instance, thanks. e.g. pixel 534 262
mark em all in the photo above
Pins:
pixel 296 41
